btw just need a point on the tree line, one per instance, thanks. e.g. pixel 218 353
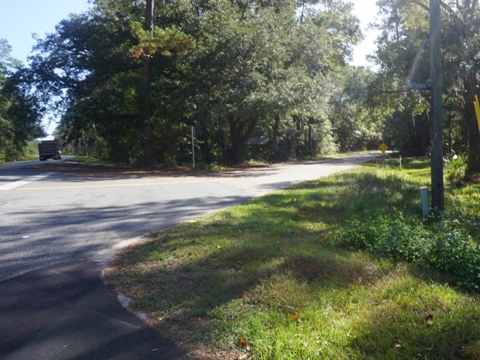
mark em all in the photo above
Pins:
pixel 20 111
pixel 128 79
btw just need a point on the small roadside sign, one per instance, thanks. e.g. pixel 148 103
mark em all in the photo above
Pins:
pixel 383 148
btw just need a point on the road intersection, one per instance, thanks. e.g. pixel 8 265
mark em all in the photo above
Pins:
pixel 60 229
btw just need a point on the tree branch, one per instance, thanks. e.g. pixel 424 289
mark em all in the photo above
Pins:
pixel 442 4
pixel 421 5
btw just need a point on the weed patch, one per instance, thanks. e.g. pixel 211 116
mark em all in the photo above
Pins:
pixel 441 243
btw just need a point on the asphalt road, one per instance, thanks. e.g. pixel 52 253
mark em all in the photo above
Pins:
pixel 58 230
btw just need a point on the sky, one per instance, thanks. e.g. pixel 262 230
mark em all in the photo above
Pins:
pixel 19 19
pixel 365 10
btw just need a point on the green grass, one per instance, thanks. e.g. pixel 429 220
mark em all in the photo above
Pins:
pixel 89 160
pixel 275 278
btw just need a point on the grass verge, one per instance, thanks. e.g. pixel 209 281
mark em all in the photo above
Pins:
pixel 90 160
pixel 284 277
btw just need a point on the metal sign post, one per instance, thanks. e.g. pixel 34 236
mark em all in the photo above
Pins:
pixel 193 146
pixel 383 148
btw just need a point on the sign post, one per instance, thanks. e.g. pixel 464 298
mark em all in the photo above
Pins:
pixel 193 147
pixel 383 148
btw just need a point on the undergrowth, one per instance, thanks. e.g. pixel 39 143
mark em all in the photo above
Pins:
pixel 440 242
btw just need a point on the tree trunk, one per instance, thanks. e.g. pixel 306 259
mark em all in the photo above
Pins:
pixel 473 158
pixel 205 150
pixel 274 140
pixel 299 127
pixel 235 138
pixel 310 141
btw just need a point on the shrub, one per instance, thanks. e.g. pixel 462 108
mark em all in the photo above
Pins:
pixel 456 169
pixel 441 243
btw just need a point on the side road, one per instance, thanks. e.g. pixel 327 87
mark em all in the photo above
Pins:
pixel 73 316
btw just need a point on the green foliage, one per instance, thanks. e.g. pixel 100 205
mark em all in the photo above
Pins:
pixel 7 63
pixel 31 150
pixel 161 41
pixel 211 166
pixel 6 136
pixel 441 243
pixel 20 111
pixel 88 160
pixel 403 57
pixel 233 70
pixel 456 169
pixel 85 72
pixel 355 126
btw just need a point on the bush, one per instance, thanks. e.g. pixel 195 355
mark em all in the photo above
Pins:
pixel 441 243
pixel 456 169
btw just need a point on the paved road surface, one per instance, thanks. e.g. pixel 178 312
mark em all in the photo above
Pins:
pixel 57 231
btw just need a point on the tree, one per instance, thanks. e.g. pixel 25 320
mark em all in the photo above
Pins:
pixel 267 74
pixel 403 58
pixel 20 111
pixel 461 56
pixel 233 69
pixel 355 125
pixel 90 72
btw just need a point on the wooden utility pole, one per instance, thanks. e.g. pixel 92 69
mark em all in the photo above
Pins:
pixel 436 126
pixel 148 109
